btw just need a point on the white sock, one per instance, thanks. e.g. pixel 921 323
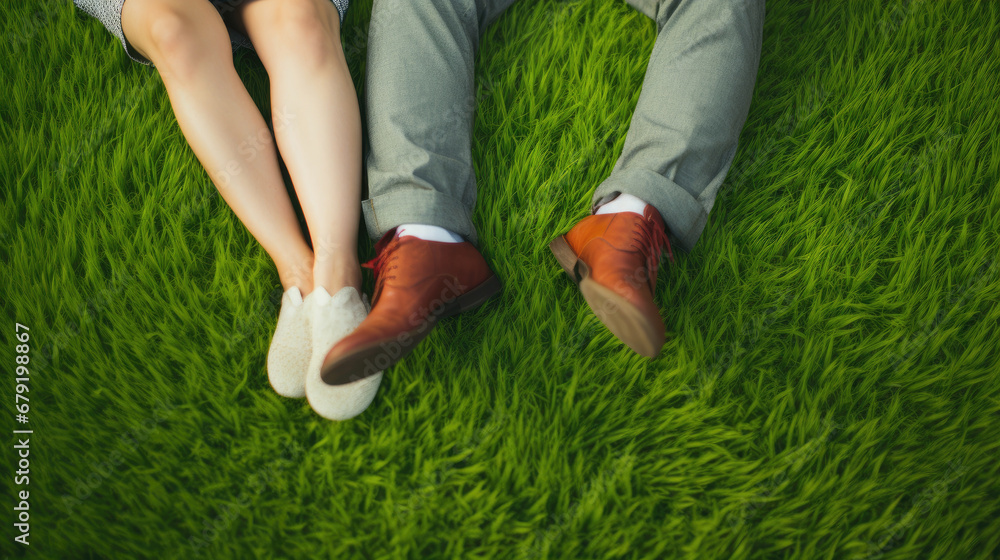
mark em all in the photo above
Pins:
pixel 429 233
pixel 623 203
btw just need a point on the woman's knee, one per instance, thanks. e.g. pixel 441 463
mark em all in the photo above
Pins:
pixel 309 30
pixel 177 39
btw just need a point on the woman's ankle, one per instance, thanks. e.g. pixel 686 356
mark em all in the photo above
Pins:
pixel 335 278
pixel 298 274
pixel 304 285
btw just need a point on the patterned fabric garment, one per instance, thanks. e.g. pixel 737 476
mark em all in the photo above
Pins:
pixel 109 13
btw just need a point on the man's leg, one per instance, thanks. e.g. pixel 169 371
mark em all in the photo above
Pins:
pixel 420 106
pixel 421 102
pixel 693 104
pixel 681 142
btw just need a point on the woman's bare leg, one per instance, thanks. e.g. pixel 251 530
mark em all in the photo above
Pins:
pixel 319 134
pixel 189 44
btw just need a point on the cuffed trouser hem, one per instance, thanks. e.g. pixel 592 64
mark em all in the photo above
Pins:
pixel 417 206
pixel 684 214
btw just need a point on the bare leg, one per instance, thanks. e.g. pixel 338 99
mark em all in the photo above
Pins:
pixel 313 98
pixel 189 44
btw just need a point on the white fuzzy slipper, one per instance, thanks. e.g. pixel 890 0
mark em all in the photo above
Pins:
pixel 333 318
pixel 291 348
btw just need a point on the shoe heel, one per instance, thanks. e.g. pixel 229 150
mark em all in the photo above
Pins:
pixel 565 255
pixel 478 295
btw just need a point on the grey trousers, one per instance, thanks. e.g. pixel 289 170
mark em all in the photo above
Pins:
pixel 680 144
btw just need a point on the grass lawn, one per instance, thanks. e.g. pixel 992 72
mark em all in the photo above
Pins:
pixel 829 387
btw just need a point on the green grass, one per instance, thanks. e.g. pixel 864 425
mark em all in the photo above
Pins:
pixel 829 387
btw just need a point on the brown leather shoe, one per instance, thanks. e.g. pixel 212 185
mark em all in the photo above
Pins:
pixel 417 282
pixel 614 258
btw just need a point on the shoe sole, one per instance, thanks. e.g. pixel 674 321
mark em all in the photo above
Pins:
pixel 364 361
pixel 626 321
